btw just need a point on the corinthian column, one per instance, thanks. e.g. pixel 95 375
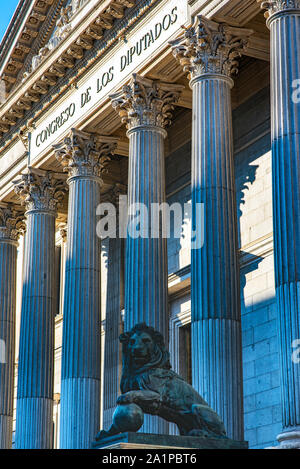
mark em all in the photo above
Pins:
pixel 40 192
pixel 113 321
pixel 11 226
pixel 145 106
pixel 208 52
pixel 84 157
pixel 283 19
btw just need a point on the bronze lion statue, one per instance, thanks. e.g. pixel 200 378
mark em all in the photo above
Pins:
pixel 148 385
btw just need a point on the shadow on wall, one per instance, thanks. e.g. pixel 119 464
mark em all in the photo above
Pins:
pixel 261 376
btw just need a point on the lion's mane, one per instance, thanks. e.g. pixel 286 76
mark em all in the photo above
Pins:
pixel 132 377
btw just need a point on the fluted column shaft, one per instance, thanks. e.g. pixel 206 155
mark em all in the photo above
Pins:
pixel 83 156
pixel 146 268
pixel 207 51
pixel 34 424
pixel 8 261
pixel 284 24
pixel 145 105
pixel 146 290
pixel 8 266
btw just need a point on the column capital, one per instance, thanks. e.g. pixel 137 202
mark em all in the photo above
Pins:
pixel 209 48
pixel 279 6
pixel 83 154
pixel 12 223
pixel 145 102
pixel 40 190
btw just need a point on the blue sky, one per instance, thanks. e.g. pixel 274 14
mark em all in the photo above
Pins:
pixel 7 9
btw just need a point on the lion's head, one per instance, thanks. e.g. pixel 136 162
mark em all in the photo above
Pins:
pixel 143 349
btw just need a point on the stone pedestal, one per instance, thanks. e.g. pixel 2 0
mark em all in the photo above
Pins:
pixel 150 441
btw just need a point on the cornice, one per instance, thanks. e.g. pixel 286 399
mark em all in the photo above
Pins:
pixel 14 25
pixel 63 67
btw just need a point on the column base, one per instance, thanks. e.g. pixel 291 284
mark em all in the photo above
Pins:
pixel 132 440
pixel 288 440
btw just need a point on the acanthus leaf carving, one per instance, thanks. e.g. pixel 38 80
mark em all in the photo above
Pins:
pixel 84 154
pixel 40 190
pixel 208 47
pixel 145 102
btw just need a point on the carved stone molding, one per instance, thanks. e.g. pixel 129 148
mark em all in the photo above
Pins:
pixel 49 71
pixel 40 190
pixel 25 135
pixel 84 154
pixel 12 223
pixel 276 6
pixel 112 196
pixel 208 47
pixel 145 102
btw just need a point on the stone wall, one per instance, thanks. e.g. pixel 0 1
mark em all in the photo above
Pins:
pixel 262 408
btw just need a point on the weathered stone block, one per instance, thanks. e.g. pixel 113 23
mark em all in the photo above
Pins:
pixel 132 440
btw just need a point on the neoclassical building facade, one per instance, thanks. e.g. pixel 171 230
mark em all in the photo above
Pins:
pixel 193 102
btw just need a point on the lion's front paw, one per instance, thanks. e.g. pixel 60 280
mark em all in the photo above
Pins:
pixel 125 399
